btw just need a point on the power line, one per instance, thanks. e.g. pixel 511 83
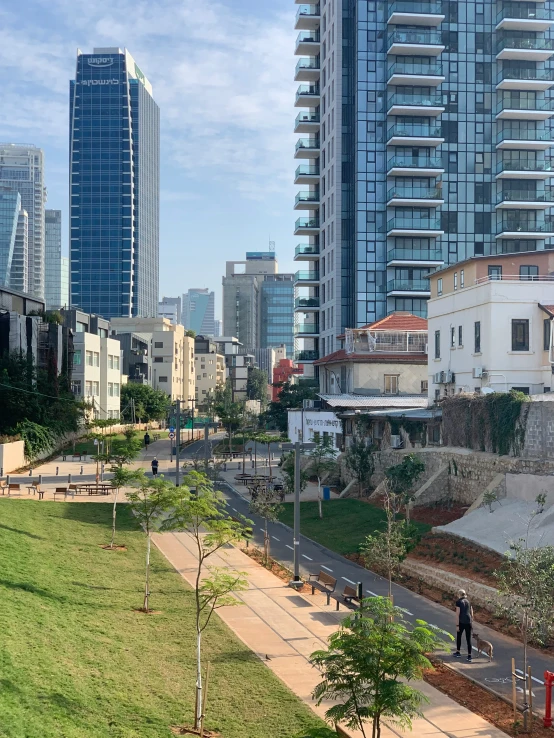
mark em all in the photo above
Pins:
pixel 35 392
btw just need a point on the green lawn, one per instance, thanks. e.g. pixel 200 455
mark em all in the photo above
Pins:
pixel 86 446
pixel 345 523
pixel 75 658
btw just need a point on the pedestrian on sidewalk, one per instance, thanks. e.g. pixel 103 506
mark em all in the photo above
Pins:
pixel 146 440
pixel 464 621
pixel 154 466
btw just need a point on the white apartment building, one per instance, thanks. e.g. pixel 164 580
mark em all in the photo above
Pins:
pixel 490 325
pixel 97 373
pixel 210 373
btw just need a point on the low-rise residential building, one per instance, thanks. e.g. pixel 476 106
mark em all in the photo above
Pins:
pixel 282 373
pixel 237 364
pixel 136 357
pixel 209 367
pixel 490 325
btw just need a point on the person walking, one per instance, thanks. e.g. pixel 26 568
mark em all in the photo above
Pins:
pixel 464 622
pixel 154 466
pixel 146 440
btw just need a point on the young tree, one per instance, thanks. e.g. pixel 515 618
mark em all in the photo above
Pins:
pixel 267 439
pixel 229 412
pixel 256 385
pixel 323 462
pixel 368 663
pixel 287 469
pixel 402 477
pixel 267 508
pixel 203 513
pixel 121 477
pixel 150 502
pixel 291 396
pixel 150 403
pixel 359 459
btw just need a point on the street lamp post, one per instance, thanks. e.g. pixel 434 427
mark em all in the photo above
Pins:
pixel 297 447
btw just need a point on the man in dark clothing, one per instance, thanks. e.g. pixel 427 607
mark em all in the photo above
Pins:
pixel 146 440
pixel 464 620
pixel 154 466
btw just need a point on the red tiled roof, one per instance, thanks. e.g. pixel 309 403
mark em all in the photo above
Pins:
pixel 399 321
pixel 547 309
pixel 372 358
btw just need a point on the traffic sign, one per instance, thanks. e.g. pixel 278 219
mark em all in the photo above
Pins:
pixel 172 429
pixel 172 436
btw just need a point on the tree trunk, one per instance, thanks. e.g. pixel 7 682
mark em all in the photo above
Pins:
pixel 255 457
pixel 198 705
pixel 266 544
pixel 114 513
pixel 525 703
pixel 269 457
pixel 319 502
pixel 147 580
pixel 230 444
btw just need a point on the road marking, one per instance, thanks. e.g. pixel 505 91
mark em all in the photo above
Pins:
pixel 372 593
pixel 275 538
pixel 307 557
pixel 518 671
pixel 349 580
pixel 409 613
pixel 326 567
pixel 287 545
pixel 235 509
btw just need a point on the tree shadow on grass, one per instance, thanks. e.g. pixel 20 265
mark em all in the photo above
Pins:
pixel 32 589
pixel 22 532
pixel 9 687
pixel 91 586
pixel 98 513
pixel 225 657
pixel 62 702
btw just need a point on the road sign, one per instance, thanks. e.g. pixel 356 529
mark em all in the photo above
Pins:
pixel 172 436
pixel 172 429
pixel 96 441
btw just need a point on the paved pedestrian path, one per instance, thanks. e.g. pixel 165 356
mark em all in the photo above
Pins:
pixel 284 627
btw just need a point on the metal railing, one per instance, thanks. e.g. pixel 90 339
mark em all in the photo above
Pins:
pixel 307 143
pixel 511 103
pixel 408 285
pixel 414 255
pixel 308 63
pixel 518 226
pixel 308 37
pixel 429 99
pixel 524 135
pixel 306 302
pixel 415 193
pixel 413 130
pixel 307 355
pixel 414 224
pixel 524 165
pixel 415 37
pixel 532 44
pixel 519 13
pixel 306 196
pixel 307 223
pixel 515 278
pixel 419 68
pixel 538 75
pixel 306 328
pixel 306 170
pixel 306 249
pixel 413 7
pixel 526 196
pixel 420 162
pixel 307 91
pixel 307 117
pixel 312 276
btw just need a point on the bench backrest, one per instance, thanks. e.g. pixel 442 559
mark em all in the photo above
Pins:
pixel 13 485
pixel 61 489
pixel 326 579
pixel 350 592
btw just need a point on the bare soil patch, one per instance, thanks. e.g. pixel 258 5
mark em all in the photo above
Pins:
pixel 438 514
pixel 273 566
pixel 180 730
pixel 112 548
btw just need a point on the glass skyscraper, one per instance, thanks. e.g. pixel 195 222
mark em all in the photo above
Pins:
pixel 425 140
pixel 198 311
pixel 56 291
pixel 114 187
pixel 10 205
pixel 276 312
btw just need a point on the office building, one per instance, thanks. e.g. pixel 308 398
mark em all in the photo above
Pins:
pixel 114 186
pixel 210 369
pixel 238 364
pixel 424 141
pixel 56 289
pixel 217 327
pixel 19 279
pixel 277 311
pixel 10 205
pixel 198 311
pixel 170 308
pixel 22 169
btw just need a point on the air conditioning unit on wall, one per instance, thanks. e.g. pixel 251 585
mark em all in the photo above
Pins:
pixel 437 377
pixel 478 372
pixel 396 441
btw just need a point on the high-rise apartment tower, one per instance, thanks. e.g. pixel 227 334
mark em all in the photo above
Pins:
pixel 56 291
pixel 198 311
pixel 425 137
pixel 114 187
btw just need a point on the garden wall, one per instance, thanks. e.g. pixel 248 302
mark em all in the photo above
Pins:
pixel 12 456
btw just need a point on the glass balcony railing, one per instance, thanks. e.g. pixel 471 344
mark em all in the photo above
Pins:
pixel 414 255
pixel 430 99
pixel 306 328
pixel 514 103
pixel 309 63
pixel 307 355
pixel 306 249
pixel 307 117
pixel 305 170
pixel 518 226
pixel 308 37
pixel 307 197
pixel 306 302
pixel 416 162
pixel 521 13
pixel 414 193
pixel 307 223
pixel 414 130
pixel 526 196
pixel 427 38
pixel 538 75
pixel 414 224
pixel 307 91
pixel 524 165
pixel 413 7
pixel 519 134
pixel 408 285
pixel 530 44
pixel 307 143
pixel 306 277
pixel 423 69
pixel 308 11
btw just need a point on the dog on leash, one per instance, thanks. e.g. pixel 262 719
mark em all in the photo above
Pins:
pixel 483 646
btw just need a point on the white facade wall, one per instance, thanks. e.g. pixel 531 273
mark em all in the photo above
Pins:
pixel 303 424
pixel 94 374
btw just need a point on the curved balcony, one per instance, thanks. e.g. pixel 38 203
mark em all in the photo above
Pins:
pixel 401 287
pixel 525 79
pixel 510 108
pixel 404 165
pixel 306 227
pixel 306 200
pixel 308 17
pixel 428 105
pixel 415 43
pixel 307 121
pixel 417 227
pixel 307 96
pixel 306 174
pixel 308 43
pixel 306 252
pixel 526 49
pixel 512 228
pixel 414 257
pixel 306 329
pixel 307 70
pixel 524 140
pixel 307 148
pixel 306 355
pixel 525 200
pixel 408 73
pixel 415 14
pixel 515 168
pixel 414 196
pixel 517 18
pixel 307 278
pixel 306 304
pixel 414 134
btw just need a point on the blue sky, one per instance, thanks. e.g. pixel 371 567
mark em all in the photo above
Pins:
pixel 222 73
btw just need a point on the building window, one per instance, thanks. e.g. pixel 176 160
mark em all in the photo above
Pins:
pixel 116 362
pixel 546 333
pixel 424 386
pixel 477 337
pixel 455 280
pixel 437 394
pixel 437 344
pixel 495 272
pixel 116 389
pixel 158 359
pixel 439 286
pixel 110 389
pixel 162 379
pixel 88 356
pixel 96 358
pixel 460 336
pixel 528 273
pixel 462 279
pixel 77 358
pixel 88 388
pixel 158 344
pixel 76 386
pixel 452 337
pixel 96 389
pixel 110 361
pixel 391 384
pixel 520 335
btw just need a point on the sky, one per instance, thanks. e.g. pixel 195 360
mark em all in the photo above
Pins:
pixel 222 74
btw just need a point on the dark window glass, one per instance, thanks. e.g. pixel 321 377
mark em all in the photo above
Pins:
pixel 449 130
pixel 546 334
pixel 483 72
pixel 452 337
pixel 520 335
pixel 477 337
pixel 482 193
pixel 437 344
pixel 460 336
pixel 449 222
pixel 528 273
pixel 495 272
pixel 482 222
pixel 479 248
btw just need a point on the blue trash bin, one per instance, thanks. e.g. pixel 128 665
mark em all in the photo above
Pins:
pixel 326 493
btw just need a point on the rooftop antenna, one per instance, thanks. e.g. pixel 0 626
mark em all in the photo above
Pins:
pixel 271 245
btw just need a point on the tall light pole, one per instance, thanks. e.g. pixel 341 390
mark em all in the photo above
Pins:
pixel 178 442
pixel 297 447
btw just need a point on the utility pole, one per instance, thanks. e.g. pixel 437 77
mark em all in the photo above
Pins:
pixel 297 447
pixel 178 443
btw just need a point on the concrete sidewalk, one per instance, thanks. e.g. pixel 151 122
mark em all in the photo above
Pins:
pixel 276 622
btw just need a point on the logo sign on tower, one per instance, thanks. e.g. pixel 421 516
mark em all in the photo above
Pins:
pixel 100 61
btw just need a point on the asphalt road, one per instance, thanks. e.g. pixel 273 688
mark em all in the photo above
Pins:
pixel 495 675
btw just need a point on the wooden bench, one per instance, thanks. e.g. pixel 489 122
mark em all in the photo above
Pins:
pixel 65 492
pixel 13 487
pixel 34 487
pixel 349 595
pixel 324 582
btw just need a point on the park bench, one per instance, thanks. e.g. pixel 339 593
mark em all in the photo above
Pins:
pixel 349 596
pixel 64 491
pixel 34 487
pixel 13 487
pixel 324 582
